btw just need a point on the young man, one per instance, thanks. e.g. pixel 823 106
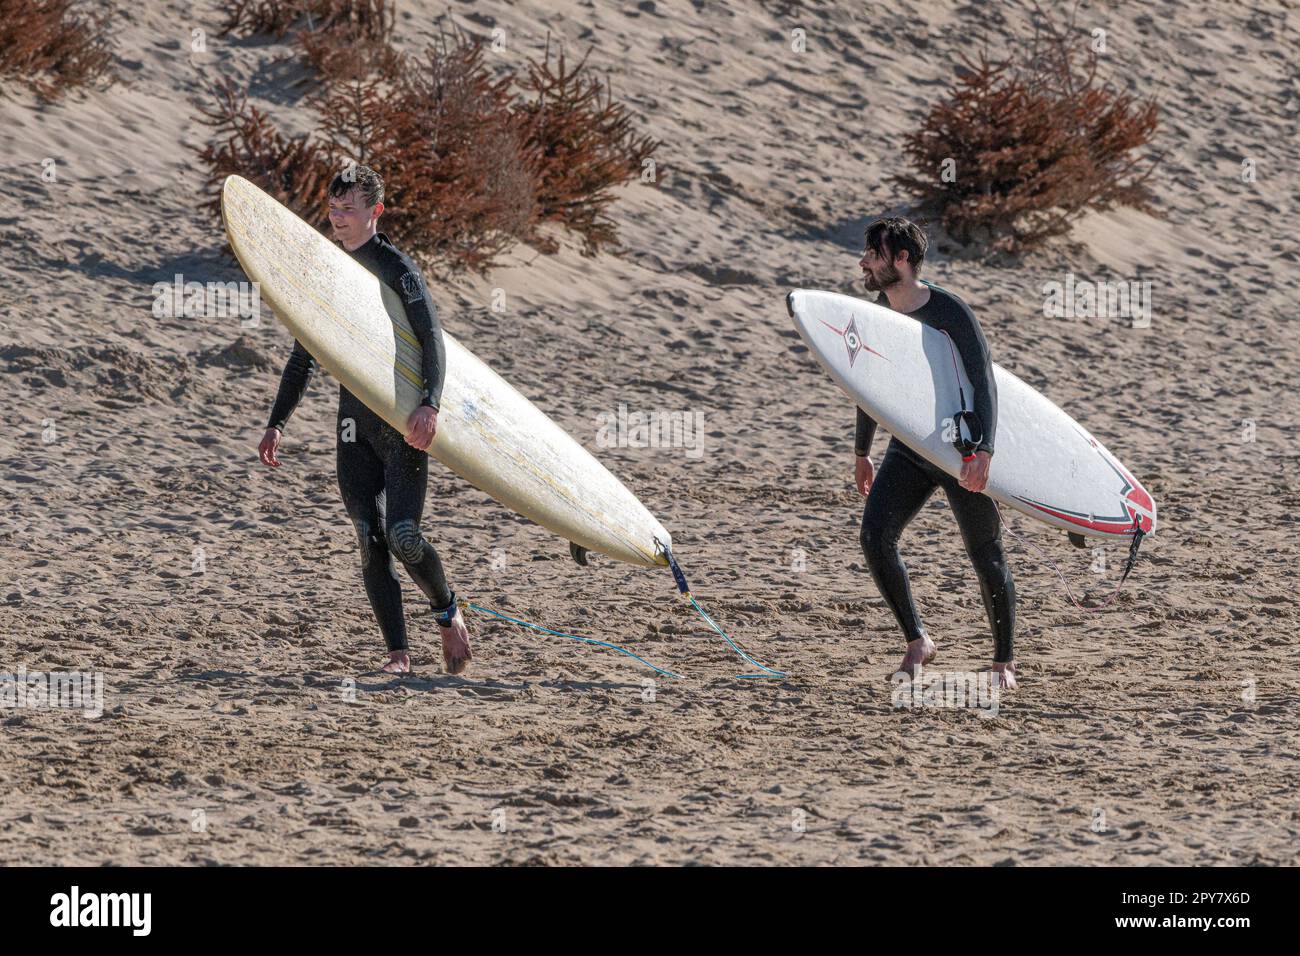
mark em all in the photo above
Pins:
pixel 382 473
pixel 891 263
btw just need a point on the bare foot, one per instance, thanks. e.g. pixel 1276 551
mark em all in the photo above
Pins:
pixel 399 662
pixel 1005 675
pixel 455 645
pixel 920 651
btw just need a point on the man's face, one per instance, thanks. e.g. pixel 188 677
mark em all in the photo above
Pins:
pixel 877 271
pixel 351 217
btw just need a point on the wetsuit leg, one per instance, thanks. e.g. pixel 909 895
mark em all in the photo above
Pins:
pixel 981 532
pixel 406 477
pixel 361 482
pixel 900 488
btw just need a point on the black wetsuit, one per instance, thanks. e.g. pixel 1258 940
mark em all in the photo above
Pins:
pixel 905 481
pixel 381 477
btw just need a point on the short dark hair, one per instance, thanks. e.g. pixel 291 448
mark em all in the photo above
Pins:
pixel 889 237
pixel 364 179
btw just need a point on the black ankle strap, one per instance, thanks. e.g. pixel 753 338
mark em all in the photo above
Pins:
pixel 444 616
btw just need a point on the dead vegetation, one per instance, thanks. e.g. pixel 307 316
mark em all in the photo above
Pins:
pixel 474 160
pixel 1021 148
pixel 52 46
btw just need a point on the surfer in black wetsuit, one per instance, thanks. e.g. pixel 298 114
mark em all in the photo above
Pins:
pixel 895 250
pixel 383 474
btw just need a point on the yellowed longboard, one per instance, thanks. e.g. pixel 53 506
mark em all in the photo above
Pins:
pixel 488 433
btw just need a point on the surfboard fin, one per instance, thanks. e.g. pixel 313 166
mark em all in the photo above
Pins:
pixel 1077 540
pixel 579 553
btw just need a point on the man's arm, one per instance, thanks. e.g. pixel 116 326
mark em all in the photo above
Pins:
pixel 973 351
pixel 423 316
pixel 866 431
pixel 293 385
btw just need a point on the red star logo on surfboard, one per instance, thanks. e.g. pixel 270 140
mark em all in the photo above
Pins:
pixel 852 340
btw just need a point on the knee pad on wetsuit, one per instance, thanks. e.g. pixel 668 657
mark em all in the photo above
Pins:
pixel 405 541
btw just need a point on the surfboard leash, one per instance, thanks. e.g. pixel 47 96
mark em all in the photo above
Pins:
pixel 573 637
pixel 1134 544
pixel 680 577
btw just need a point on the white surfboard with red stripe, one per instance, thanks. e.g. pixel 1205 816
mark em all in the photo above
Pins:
pixel 1045 464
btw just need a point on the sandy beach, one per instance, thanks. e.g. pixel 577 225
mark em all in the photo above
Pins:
pixel 221 601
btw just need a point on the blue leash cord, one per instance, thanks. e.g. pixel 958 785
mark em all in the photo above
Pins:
pixel 769 672
pixel 682 586
pixel 572 637
pixel 680 578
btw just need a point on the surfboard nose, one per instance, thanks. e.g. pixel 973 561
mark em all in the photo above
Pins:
pixel 1142 508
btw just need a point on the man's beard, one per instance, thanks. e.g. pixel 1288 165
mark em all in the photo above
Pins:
pixel 888 276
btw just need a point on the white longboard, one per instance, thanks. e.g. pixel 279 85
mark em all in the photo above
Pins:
pixel 1045 464
pixel 488 433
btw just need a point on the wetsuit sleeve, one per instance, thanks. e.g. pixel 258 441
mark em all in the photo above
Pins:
pixel 866 424
pixel 973 350
pixel 423 316
pixel 866 432
pixel 293 385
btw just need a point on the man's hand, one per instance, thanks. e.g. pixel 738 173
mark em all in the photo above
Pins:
pixel 268 446
pixel 975 473
pixel 864 473
pixel 421 427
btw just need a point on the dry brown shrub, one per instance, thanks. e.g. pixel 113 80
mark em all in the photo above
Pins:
pixel 51 47
pixel 1035 145
pixel 297 172
pixel 340 53
pixel 582 144
pixel 473 162
pixel 440 130
pixel 371 19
